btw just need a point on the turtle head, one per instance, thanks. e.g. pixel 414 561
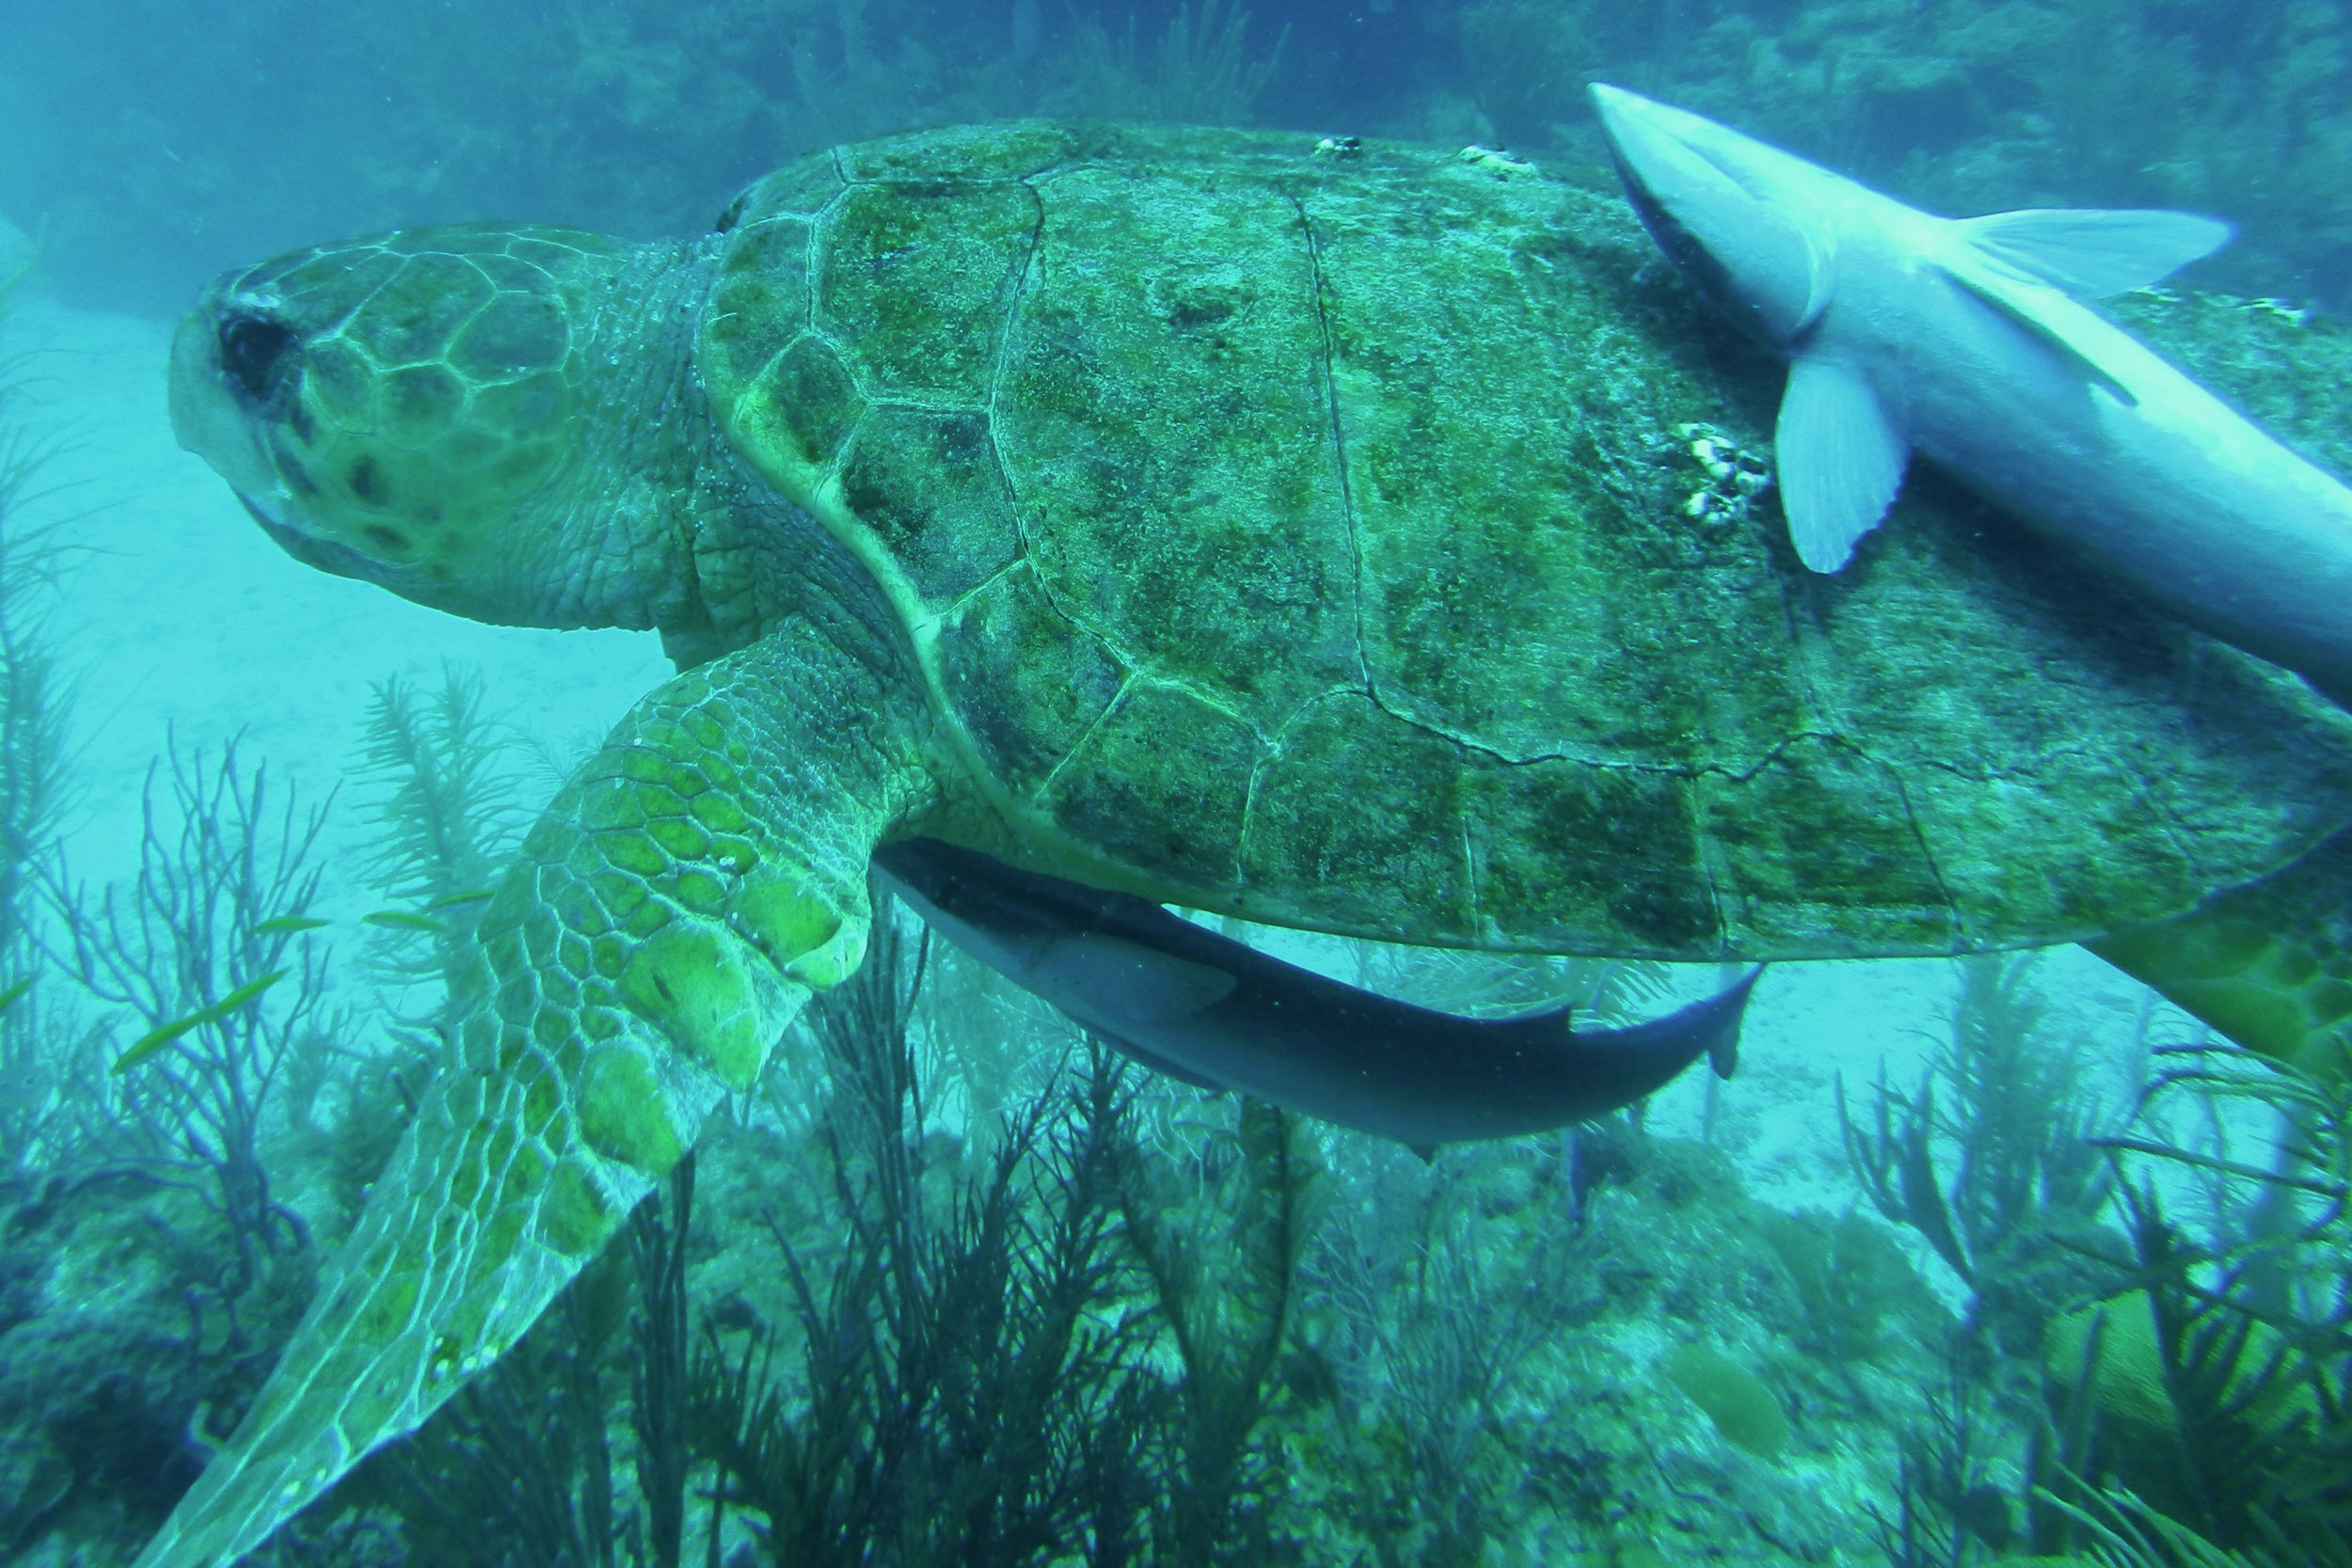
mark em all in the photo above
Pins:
pixel 457 414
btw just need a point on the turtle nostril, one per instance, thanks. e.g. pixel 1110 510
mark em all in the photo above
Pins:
pixel 253 352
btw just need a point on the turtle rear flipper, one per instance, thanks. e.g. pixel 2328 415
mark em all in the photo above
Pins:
pixel 2269 965
pixel 669 914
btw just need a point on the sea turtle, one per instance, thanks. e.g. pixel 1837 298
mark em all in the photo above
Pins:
pixel 1362 544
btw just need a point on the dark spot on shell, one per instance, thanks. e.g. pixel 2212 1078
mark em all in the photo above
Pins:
pixel 387 539
pixel 366 482
pixel 663 986
pixel 1201 310
pixel 298 419
pixel 297 478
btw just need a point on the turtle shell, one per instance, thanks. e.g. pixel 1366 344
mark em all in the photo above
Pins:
pixel 1373 539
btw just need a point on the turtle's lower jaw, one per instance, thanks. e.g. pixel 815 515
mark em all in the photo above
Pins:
pixel 324 554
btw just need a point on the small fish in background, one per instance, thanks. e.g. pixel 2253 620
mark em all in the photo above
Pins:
pixel 152 1042
pixel 289 925
pixel 405 920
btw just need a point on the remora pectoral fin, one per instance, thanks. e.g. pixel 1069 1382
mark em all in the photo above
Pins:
pixel 1146 986
pixel 2093 252
pixel 1840 460
pixel 2023 304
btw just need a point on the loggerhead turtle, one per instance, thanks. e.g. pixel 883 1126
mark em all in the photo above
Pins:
pixel 1343 543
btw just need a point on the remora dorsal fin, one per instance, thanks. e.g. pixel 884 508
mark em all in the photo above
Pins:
pixel 2092 252
pixel 1840 460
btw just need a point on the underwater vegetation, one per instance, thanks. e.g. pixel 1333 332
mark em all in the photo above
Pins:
pixel 948 1248
pixel 1984 108
pixel 1205 69
pixel 442 801
pixel 33 745
pixel 2003 1181
pixel 154 1259
pixel 2188 1405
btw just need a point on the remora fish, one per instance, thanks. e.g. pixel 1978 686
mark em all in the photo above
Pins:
pixel 1181 999
pixel 1968 340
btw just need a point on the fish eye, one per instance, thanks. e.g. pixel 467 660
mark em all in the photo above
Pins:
pixel 253 351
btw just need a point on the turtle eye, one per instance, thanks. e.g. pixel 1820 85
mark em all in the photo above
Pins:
pixel 253 352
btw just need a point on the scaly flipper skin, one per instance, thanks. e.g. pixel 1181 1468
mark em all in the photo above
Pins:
pixel 669 913
pixel 2269 965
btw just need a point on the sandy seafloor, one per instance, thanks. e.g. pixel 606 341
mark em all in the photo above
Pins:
pixel 182 618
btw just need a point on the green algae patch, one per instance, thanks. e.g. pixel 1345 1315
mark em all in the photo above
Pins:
pixel 1734 1397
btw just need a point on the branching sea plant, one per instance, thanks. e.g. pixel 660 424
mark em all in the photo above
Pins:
pixel 2199 1396
pixel 207 950
pixel 955 1339
pixel 1990 1159
pixel 659 1345
pixel 1435 1307
pixel 1950 1508
pixel 2218 1379
pixel 441 804
pixel 42 1062
pixel 1221 1236
pixel 156 1274
pixel 1204 70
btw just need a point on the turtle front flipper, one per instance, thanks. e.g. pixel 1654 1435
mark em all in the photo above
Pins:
pixel 2269 965
pixel 678 902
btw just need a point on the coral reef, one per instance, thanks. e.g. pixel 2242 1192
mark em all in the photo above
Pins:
pixel 153 1264
pixel 949 1248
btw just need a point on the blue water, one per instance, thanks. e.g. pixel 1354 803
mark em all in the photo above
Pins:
pixel 1837 1308
pixel 156 143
